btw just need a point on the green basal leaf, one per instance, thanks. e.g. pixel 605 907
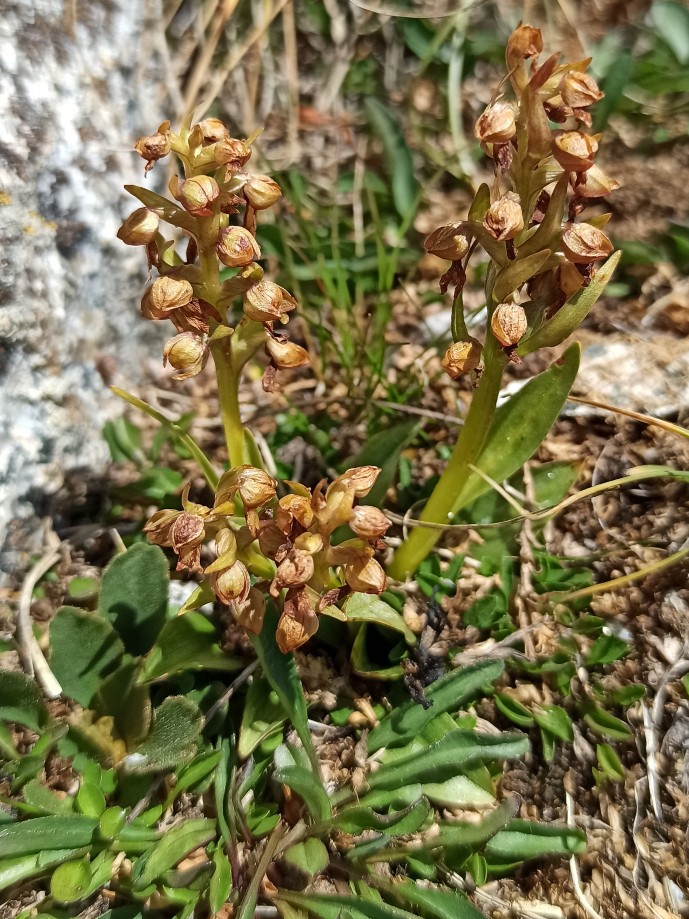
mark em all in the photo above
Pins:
pixel 459 791
pixel 188 642
pixel 44 833
pixel 75 880
pixel 90 800
pixel 174 845
pixel 524 840
pixel 448 693
pixel 84 649
pixel 308 787
pixel 514 710
pixel 470 836
pixel 15 870
pixel 262 715
pixel 193 774
pixel 554 720
pixel 570 316
pixel 370 608
pixel 361 661
pixel 45 800
pixel 355 820
pixel 435 902
pixel 177 724
pixel 440 760
pixel 310 856
pixel 21 700
pixel 609 762
pixel 281 672
pixel 134 595
pixel 220 885
pixel 605 724
pixel 521 424
pixel 329 906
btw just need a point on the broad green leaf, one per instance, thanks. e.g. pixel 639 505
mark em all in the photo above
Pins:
pixel 84 649
pixel 308 787
pixel 609 762
pixel 448 693
pixel 310 856
pixel 261 716
pixel 384 450
pixel 370 608
pixel 281 672
pixel 671 20
pixel 515 274
pixel 90 800
pixel 177 724
pixel 554 720
pixel 175 844
pixel 134 595
pixel 570 316
pixel 46 800
pixel 82 588
pixel 441 760
pixel 44 833
pixel 220 884
pixel 471 835
pixel 363 665
pixel 605 724
pixel 330 906
pixel 524 839
pixel 126 701
pixel 188 642
pixel 521 424
pixel 355 820
pixel 514 710
pixel 71 881
pixel 14 870
pixel 21 700
pixel 405 187
pixel 459 791
pixel 606 649
pixel 435 902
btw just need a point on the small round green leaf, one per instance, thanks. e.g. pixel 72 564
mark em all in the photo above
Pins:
pixel 70 882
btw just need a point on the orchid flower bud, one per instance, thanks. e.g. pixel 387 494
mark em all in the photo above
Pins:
pixel 140 228
pixel 497 124
pixel 298 621
pixel 232 583
pixel 236 247
pixel 284 354
pixel 579 90
pixel 509 324
pixel 504 219
pixel 212 130
pixel 295 570
pixel 450 242
pixel 164 295
pixel 198 194
pixel 156 146
pixel 369 522
pixel 267 302
pixel 231 152
pixel 583 243
pixel 461 357
pixel 574 150
pixel 262 192
pixel 594 183
pixel 187 353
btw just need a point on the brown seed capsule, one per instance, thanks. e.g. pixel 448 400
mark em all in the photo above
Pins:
pixel 237 247
pixel 187 530
pixel 156 146
pixel 295 570
pixel 594 183
pixel 461 357
pixel 365 575
pixel 249 612
pixel 298 621
pixel 159 525
pixel 231 152
pixel 450 242
pixel 267 302
pixel 525 42
pixel 504 219
pixel 212 130
pixel 231 584
pixel 187 353
pixel 164 295
pixel 369 522
pixel 583 243
pixel 262 192
pixel 285 354
pixel 497 124
pixel 509 324
pixel 198 194
pixel 574 150
pixel 579 90
pixel 254 486
pixel 359 480
pixel 140 228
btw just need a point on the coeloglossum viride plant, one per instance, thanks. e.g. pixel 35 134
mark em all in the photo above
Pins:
pixel 542 276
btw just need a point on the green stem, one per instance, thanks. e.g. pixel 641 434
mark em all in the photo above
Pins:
pixel 446 497
pixel 228 390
